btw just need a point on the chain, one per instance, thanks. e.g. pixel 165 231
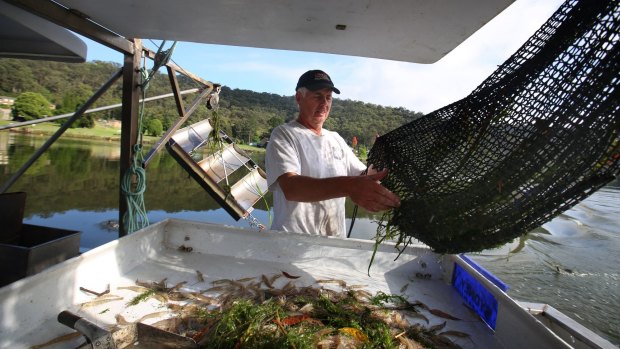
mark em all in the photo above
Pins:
pixel 254 223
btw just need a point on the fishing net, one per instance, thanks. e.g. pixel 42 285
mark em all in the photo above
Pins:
pixel 535 138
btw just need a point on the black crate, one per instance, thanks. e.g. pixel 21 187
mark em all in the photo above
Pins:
pixel 11 215
pixel 34 249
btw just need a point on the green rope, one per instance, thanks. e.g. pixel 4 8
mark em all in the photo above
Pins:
pixel 136 217
pixel 133 184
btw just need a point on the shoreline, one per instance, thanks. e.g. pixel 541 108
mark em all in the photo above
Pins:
pixel 97 133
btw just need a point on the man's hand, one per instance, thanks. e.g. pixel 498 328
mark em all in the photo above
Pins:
pixel 367 192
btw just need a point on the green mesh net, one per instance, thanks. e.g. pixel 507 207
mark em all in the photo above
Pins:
pixel 535 138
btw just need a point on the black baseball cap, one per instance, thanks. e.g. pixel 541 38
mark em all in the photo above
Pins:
pixel 315 80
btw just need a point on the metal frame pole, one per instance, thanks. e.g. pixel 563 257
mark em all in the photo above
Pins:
pixel 129 122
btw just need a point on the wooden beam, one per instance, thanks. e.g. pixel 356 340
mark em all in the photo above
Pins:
pixel 151 54
pixel 129 122
pixel 172 76
pixel 170 132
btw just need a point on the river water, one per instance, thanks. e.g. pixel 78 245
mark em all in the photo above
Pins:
pixel 571 263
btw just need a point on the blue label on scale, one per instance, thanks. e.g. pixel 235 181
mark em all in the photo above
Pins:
pixel 475 295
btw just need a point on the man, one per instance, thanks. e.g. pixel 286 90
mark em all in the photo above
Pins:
pixel 311 170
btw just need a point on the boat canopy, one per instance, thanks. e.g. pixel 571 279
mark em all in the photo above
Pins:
pixel 25 35
pixel 418 31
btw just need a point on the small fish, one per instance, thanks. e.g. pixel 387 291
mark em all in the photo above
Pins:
pixel 404 288
pixel 138 289
pixel 288 287
pixel 199 297
pixel 437 327
pixel 177 286
pixel 342 283
pixel 215 289
pixel 362 294
pixel 245 279
pixel 178 296
pixel 100 300
pixel 163 298
pixel 443 342
pixel 442 314
pixel 274 278
pixel 221 281
pixel 200 276
pixel 417 315
pixel 420 304
pixel 104 311
pixel 60 339
pixel 290 276
pixel 355 287
pixel 161 284
pixel 266 281
pixel 455 334
pixel 153 315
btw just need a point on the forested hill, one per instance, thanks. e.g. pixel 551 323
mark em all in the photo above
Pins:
pixel 246 115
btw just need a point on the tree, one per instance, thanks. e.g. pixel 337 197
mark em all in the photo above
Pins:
pixel 154 127
pixel 84 121
pixel 243 114
pixel 275 121
pixel 72 99
pixel 31 106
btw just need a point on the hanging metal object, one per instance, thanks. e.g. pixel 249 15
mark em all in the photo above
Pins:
pixel 224 170
pixel 213 100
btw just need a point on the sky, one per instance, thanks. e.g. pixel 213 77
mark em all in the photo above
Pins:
pixel 417 87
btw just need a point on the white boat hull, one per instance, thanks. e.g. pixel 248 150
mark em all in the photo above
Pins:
pixel 29 307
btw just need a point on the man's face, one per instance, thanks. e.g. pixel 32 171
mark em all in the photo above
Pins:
pixel 314 107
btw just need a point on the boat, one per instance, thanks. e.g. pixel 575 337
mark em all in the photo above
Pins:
pixel 175 249
pixel 458 294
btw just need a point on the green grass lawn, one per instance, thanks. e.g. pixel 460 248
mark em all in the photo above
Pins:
pixel 48 128
pixel 100 131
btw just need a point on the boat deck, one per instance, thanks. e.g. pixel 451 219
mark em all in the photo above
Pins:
pixel 175 250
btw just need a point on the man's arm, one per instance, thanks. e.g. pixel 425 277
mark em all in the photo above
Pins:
pixel 365 191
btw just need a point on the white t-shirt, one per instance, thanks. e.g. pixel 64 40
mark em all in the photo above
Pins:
pixel 294 148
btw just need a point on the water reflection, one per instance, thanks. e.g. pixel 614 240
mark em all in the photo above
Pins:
pixel 75 183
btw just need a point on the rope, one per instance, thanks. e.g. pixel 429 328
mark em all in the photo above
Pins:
pixel 136 217
pixel 133 184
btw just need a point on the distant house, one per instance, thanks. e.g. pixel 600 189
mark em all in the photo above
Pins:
pixel 7 100
pixel 111 123
pixel 5 112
